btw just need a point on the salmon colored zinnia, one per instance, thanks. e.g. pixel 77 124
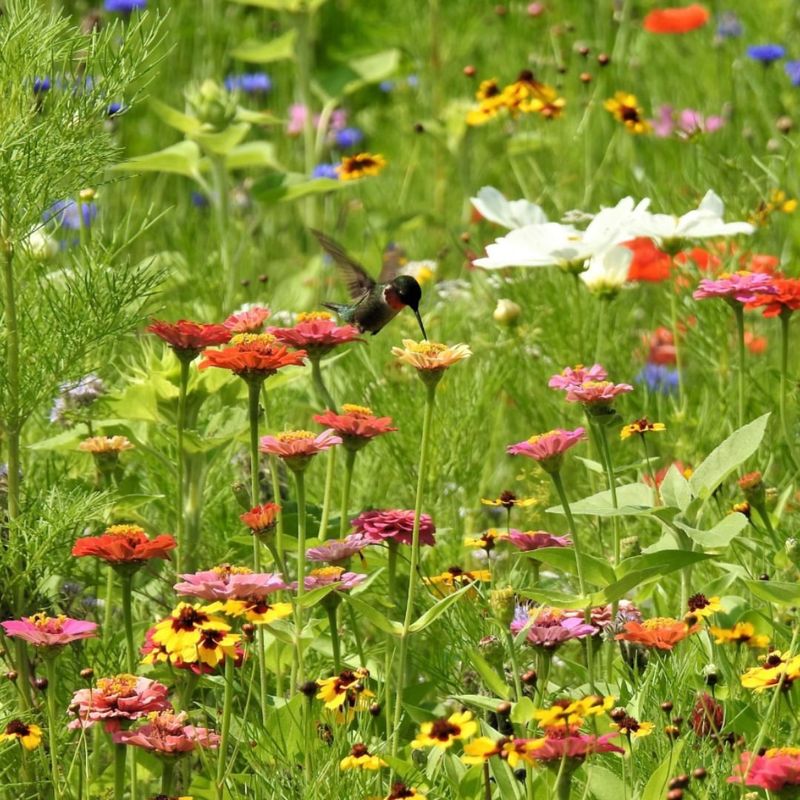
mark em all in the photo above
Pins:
pixel 661 633
pixel 356 425
pixel 252 355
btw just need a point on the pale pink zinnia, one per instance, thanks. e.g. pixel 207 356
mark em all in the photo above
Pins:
pixel 549 627
pixel 738 287
pixel 298 447
pixel 574 745
pixel 229 583
pixel 596 392
pixel 251 320
pixel 571 376
pixel 534 540
pixel 381 525
pixel 43 631
pixel 114 700
pixel 548 448
pixel 335 550
pixel 332 576
pixel 168 734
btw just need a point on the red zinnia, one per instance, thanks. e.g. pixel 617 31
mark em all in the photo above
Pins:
pixel 649 263
pixel 396 524
pixel 253 354
pixel 124 544
pixel 188 338
pixel 785 301
pixel 676 20
pixel 316 332
pixel 357 425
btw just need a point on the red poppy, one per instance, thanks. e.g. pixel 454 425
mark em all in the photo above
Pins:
pixel 357 425
pixel 649 263
pixel 676 20
pixel 253 354
pixel 785 301
pixel 660 346
pixel 189 338
pixel 124 544
pixel 703 259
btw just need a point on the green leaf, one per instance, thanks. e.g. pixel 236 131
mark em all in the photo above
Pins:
pixel 222 142
pixel 292 186
pixel 252 154
pixel 178 159
pixel 314 596
pixel 552 597
pixel 778 592
pixel 346 78
pixel 488 675
pixel 595 570
pixel 604 784
pixel 277 49
pixel 522 711
pixel 642 569
pixel 632 499
pixel 438 609
pixel 479 701
pixel 294 6
pixel 675 489
pixel 174 118
pixel 657 785
pixel 724 459
pixel 380 621
pixel 721 534
pixel 509 788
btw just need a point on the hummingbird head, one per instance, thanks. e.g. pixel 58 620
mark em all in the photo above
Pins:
pixel 409 293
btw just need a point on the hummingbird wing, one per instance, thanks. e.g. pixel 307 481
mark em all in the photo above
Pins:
pixel 394 258
pixel 354 275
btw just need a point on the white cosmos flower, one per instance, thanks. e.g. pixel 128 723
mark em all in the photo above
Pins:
pixel 608 272
pixel 511 214
pixel 543 245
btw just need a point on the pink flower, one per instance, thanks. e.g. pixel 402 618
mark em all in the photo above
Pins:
pixel 317 333
pixel 356 425
pixel 664 124
pixel 534 540
pixel 571 376
pixel 335 550
pixel 112 700
pixel 43 631
pixel 396 524
pixel 298 447
pixel 596 392
pixel 229 583
pixel 168 734
pixel 602 618
pixel 251 320
pixel 739 287
pixel 548 448
pixel 774 771
pixel 574 745
pixel 332 576
pixel 549 627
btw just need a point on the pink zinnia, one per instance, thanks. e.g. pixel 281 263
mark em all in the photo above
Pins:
pixel 738 287
pixel 549 627
pixel 548 448
pixel 356 425
pixel 381 524
pixel 774 771
pixel 596 392
pixel 335 550
pixel 317 333
pixel 168 734
pixel 43 631
pixel 534 540
pixel 113 700
pixel 572 376
pixel 332 576
pixel 298 447
pixel 574 745
pixel 229 583
pixel 601 616
pixel 251 320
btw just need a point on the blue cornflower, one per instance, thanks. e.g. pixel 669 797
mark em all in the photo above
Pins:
pixel 67 214
pixel 124 6
pixel 115 109
pixel 249 82
pixel 793 71
pixel 199 200
pixel 766 53
pixel 41 85
pixel 349 137
pixel 386 86
pixel 325 171
pixel 729 25
pixel 412 81
pixel 659 378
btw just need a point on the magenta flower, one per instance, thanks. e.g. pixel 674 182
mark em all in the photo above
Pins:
pixel 167 734
pixel 534 540
pixel 115 700
pixel 251 320
pixel 335 550
pixel 43 631
pixel 393 524
pixel 549 627
pixel 575 745
pixel 229 583
pixel 317 333
pixel 738 287
pixel 571 376
pixel 596 392
pixel 548 448
pixel 297 448
pixel 332 576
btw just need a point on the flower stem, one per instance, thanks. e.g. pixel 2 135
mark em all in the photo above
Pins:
pixel 120 753
pixel 335 643
pixel 127 620
pixel 562 496
pixel 412 577
pixel 787 433
pixel 221 205
pixel 227 710
pixel 167 775
pixel 109 602
pixel 738 311
pixel 300 485
pixel 180 524
pixel 52 716
pixel 344 521
pixel 323 394
pixel 391 569
pixel 328 492
pixel 276 484
pixel 512 656
pixel 673 308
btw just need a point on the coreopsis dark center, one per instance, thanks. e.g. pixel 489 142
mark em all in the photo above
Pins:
pixel 508 499
pixel 188 619
pixel 17 728
pixel 629 114
pixel 444 730
pixel 210 638
pixel 358 750
pixel 697 602
pixel 629 725
pixel 400 790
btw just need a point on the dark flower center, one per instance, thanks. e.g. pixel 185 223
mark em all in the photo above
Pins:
pixel 188 619
pixel 443 730
pixel 697 602
pixel 17 728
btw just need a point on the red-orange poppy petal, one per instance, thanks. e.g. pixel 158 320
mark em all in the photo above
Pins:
pixel 676 20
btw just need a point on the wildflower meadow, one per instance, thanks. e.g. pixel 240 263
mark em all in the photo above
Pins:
pixel 399 400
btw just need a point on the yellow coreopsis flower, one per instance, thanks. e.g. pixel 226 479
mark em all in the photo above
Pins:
pixel 444 732
pixel 345 690
pixel 630 726
pixel 511 750
pixel 360 166
pixel 258 610
pixel 740 633
pixel 641 426
pixel 625 108
pixel 27 734
pixel 180 632
pixel 360 758
pixel 701 607
pixel 779 669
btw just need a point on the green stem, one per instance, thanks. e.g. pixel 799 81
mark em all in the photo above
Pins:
pixel 328 493
pixel 304 63
pixel 512 656
pixel 323 395
pixel 344 516
pixel 109 603
pixel 276 483
pixel 391 569
pixel 608 464
pixel 52 716
pixel 412 577
pixel 562 496
pixel 227 711
pixel 167 775
pixel 335 643
pixel 127 620
pixel 221 205
pixel 180 526
pixel 120 753
pixel 787 433
pixel 738 311
pixel 300 487
pixel 673 308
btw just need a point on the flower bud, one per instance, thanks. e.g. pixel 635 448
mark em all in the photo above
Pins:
pixel 530 677
pixel 41 684
pixel 699 774
pixel 792 549
pixel 504 709
pixel 249 631
pixel 309 688
pixel 667 707
pixel 212 105
pixel 506 312
pixel 87 673
pixel 11 675
pixel 501 601
pixel 752 486
pixel 375 709
pixel 630 546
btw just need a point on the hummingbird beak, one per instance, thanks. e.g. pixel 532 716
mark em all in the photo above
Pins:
pixel 421 326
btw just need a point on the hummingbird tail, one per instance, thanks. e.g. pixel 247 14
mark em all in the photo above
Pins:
pixel 338 308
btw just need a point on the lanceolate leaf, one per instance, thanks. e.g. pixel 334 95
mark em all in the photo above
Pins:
pixel 437 610
pixel 277 49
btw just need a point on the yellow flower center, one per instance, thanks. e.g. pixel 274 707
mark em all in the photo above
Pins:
pixel 659 622
pixel 294 436
pixel 120 684
pixel 427 348
pixel 124 530
pixel 539 436
pixel 783 751
pixel 327 572
pixel 225 570
pixel 41 620
pixel 356 411
pixel 253 338
pixel 313 316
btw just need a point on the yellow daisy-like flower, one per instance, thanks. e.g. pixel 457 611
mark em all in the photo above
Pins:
pixel 511 750
pixel 346 690
pixel 571 713
pixel 430 356
pixel 360 758
pixel 359 166
pixel 444 732
pixel 216 643
pixel 701 607
pixel 740 633
pixel 509 500
pixel 400 791
pixel 180 633
pixel 641 426
pixel 486 540
pixel 258 610
pixel 27 734
pixel 630 726
pixel 625 108
pixel 455 577
pixel 105 445
pixel 778 668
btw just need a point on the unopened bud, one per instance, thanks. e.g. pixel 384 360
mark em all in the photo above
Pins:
pixel 502 603
pixel 630 546
pixel 530 677
pixel 309 688
pixel 41 684
pixel 87 673
pixel 506 312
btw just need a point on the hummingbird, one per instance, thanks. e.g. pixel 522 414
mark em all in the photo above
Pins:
pixel 375 303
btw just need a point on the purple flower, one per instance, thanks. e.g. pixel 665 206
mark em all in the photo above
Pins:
pixel 74 395
pixel 740 287
pixel 729 25
pixel 766 53
pixel 124 6
pixel 67 214
pixel 386 86
pixel 349 137
pixel 336 550
pixel 41 85
pixel 332 576
pixel 659 378
pixel 793 71
pixel 115 109
pixel 664 123
pixel 534 540
pixel 249 82
pixel 549 627
pixel 325 171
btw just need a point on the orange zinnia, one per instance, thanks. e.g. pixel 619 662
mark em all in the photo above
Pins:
pixel 253 355
pixel 784 302
pixel 663 633
pixel 124 544
pixel 676 20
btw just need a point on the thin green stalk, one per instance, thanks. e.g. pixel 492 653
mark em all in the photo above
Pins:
pixel 344 516
pixel 391 569
pixel 276 482
pixel 412 577
pixel 52 724
pixel 300 487
pixel 304 64
pixel 608 465
pixel 127 621
pixel 512 657
pixel 327 494
pixel 120 753
pixel 319 384
pixel 673 309
pixel 221 205
pixel 227 711
pixel 109 603
pixel 167 776
pixel 335 643
pixel 787 433
pixel 180 525
pixel 562 496
pixel 738 311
